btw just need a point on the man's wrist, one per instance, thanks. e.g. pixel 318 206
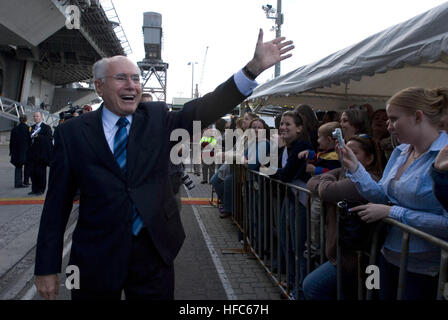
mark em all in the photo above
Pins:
pixel 251 70
pixel 249 73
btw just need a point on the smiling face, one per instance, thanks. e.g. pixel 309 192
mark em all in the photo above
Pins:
pixel 288 129
pixel 257 125
pixel 120 93
pixel 348 130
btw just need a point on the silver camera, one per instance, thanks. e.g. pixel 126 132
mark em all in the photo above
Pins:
pixel 337 134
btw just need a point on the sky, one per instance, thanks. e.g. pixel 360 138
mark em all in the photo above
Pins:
pixel 230 28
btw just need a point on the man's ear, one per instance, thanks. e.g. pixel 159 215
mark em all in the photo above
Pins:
pixel 99 87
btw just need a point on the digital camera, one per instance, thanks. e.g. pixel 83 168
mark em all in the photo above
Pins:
pixel 337 134
pixel 345 206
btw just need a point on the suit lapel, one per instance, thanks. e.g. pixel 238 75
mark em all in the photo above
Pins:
pixel 94 134
pixel 136 135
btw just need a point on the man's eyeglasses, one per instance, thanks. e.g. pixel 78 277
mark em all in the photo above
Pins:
pixel 122 77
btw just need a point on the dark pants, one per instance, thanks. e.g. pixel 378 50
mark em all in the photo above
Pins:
pixel 20 172
pixel 18 176
pixel 38 177
pixel 149 278
pixel 417 287
pixel 208 170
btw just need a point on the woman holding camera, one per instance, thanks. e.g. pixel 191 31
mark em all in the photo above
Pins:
pixel 333 187
pixel 405 193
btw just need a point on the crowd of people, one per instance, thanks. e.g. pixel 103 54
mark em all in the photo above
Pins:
pixel 393 164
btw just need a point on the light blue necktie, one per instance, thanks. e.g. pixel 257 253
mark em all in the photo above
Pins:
pixel 120 144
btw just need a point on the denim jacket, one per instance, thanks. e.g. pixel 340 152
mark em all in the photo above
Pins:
pixel 412 199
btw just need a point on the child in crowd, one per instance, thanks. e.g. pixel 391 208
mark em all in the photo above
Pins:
pixel 325 160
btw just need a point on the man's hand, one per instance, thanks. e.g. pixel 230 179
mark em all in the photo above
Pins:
pixel 441 162
pixel 47 286
pixel 269 53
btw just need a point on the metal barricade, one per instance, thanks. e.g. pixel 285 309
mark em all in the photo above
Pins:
pixel 257 207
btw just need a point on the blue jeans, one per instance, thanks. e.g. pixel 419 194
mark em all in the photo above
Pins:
pixel 321 284
pixel 224 190
pixel 292 244
pixel 218 185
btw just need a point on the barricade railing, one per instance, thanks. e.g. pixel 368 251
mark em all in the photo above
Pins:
pixel 258 201
pixel 12 110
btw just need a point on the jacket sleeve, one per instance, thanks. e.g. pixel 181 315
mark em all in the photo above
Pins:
pixel 294 167
pixel 56 212
pixel 333 190
pixel 440 186
pixel 208 108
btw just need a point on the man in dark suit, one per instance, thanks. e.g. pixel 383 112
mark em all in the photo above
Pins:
pixel 19 143
pixel 129 229
pixel 39 154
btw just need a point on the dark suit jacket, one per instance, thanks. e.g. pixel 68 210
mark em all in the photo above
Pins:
pixel 295 168
pixel 19 143
pixel 82 159
pixel 42 145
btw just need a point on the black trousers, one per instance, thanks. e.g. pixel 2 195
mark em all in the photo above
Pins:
pixel 18 176
pixel 148 278
pixel 20 172
pixel 38 177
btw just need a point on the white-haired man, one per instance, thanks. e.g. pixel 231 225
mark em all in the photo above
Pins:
pixel 129 229
pixel 39 154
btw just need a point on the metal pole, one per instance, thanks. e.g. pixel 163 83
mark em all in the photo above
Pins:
pixel 192 79
pixel 278 24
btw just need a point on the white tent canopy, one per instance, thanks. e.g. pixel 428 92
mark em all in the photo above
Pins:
pixel 413 53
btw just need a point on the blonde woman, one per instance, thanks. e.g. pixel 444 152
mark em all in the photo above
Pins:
pixel 405 193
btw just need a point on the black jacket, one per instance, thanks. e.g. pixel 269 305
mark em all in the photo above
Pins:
pixel 102 239
pixel 295 168
pixel 42 145
pixel 19 144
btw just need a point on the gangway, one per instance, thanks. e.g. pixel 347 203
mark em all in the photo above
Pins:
pixel 12 110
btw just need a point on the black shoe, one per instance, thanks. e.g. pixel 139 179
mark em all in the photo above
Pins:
pixel 26 184
pixel 32 193
pixel 39 193
pixel 20 186
pixel 224 215
pixel 203 181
